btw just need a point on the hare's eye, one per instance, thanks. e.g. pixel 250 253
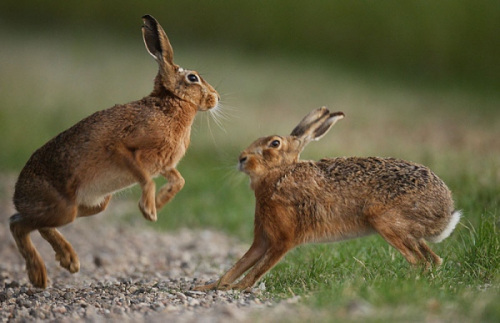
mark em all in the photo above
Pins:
pixel 193 78
pixel 275 143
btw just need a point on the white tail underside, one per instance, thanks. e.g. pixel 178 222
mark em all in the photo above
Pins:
pixel 455 217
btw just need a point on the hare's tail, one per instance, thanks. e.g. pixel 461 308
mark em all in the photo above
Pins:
pixel 455 217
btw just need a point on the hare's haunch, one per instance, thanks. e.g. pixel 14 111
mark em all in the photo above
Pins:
pixel 336 199
pixel 76 173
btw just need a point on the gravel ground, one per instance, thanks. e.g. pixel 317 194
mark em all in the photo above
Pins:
pixel 128 272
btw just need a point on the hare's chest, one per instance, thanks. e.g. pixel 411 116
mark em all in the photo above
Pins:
pixel 172 151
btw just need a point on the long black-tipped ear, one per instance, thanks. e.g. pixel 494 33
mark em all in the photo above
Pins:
pixel 333 117
pixel 315 125
pixel 156 41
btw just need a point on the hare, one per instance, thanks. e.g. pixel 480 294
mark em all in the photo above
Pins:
pixel 335 199
pixel 76 173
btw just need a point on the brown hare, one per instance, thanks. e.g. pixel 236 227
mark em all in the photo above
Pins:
pixel 336 199
pixel 76 173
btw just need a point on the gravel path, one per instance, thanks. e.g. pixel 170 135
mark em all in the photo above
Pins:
pixel 128 272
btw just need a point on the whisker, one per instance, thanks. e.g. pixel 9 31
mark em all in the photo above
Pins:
pixel 218 116
pixel 223 114
pixel 228 111
pixel 210 129
pixel 232 178
pixel 230 175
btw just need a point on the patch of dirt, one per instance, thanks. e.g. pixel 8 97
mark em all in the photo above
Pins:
pixel 128 272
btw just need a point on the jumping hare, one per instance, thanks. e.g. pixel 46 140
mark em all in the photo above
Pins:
pixel 76 173
pixel 336 199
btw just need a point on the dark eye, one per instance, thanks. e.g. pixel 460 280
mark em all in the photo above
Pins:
pixel 275 143
pixel 193 78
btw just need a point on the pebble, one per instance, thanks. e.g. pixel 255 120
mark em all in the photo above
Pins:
pixel 181 296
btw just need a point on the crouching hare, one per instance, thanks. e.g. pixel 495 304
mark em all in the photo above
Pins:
pixel 336 199
pixel 75 173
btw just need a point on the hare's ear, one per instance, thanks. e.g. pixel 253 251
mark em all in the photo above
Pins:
pixel 156 41
pixel 315 125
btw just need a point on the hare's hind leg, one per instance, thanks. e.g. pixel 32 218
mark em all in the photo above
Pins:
pixel 413 249
pixel 57 212
pixel 84 210
pixel 65 253
pixel 428 253
pixel 35 267
pixel 387 224
pixel 419 250
pixel 406 246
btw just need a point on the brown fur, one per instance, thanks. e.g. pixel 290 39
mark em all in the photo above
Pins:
pixel 335 199
pixel 75 173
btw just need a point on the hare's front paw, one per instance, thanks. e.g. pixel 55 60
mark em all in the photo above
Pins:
pixel 148 209
pixel 215 285
pixel 203 288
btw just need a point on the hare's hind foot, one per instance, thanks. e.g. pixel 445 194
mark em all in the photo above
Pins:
pixel 415 251
pixel 65 253
pixel 37 273
pixel 427 254
pixel 35 267
pixel 402 237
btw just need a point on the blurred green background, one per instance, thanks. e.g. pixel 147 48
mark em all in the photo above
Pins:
pixel 417 80
pixel 445 40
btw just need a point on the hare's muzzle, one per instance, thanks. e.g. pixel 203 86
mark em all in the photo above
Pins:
pixel 241 162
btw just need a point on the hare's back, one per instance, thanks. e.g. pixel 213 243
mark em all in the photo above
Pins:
pixel 387 177
pixel 82 152
pixel 89 139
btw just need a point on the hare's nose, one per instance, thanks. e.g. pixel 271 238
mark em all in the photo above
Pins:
pixel 243 159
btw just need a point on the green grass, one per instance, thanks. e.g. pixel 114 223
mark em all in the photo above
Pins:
pixel 369 271
pixel 454 130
